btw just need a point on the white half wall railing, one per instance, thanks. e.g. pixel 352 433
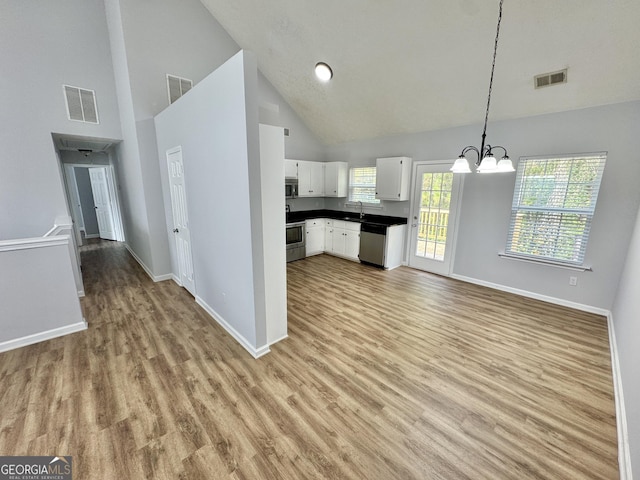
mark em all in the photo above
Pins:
pixel 38 290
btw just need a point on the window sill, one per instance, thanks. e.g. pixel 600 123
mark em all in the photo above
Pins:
pixel 579 268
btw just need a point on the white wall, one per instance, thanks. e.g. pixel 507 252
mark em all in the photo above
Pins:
pixel 39 52
pixel 149 40
pixel 38 295
pixel 487 199
pixel 301 144
pixel 211 124
pixel 626 321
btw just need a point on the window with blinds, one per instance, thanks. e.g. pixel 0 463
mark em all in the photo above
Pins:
pixel 553 204
pixel 362 185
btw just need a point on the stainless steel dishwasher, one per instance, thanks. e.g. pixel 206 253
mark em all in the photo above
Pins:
pixel 373 241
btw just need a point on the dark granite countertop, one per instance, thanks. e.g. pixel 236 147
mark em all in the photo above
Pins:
pixel 348 216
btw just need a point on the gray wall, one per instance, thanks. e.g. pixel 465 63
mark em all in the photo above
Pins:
pixel 150 40
pixel 487 199
pixel 211 126
pixel 85 193
pixel 42 47
pixel 626 321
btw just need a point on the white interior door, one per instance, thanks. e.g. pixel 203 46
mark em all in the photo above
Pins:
pixel 102 202
pixel 433 218
pixel 180 219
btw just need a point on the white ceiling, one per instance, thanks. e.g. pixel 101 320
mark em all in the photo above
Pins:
pixel 416 65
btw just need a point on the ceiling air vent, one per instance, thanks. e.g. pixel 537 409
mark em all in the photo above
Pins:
pixel 81 104
pixel 548 79
pixel 177 87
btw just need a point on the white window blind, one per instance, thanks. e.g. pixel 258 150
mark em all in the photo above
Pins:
pixel 553 204
pixel 362 185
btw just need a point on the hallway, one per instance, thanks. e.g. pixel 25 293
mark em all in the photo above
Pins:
pixel 385 375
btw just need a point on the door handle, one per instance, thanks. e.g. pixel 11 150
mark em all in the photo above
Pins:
pixel 95 208
pixel 175 230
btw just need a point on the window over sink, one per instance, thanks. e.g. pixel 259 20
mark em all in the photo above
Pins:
pixel 362 185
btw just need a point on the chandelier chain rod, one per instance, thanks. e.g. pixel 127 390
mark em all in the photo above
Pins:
pixel 493 66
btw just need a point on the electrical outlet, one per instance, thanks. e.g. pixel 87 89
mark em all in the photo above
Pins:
pixel 573 281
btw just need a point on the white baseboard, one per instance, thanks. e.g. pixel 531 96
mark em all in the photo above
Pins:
pixel 535 296
pixel 162 278
pixel 155 278
pixel 176 279
pixel 279 339
pixel 92 235
pixel 80 293
pixel 42 336
pixel 255 352
pixel 624 452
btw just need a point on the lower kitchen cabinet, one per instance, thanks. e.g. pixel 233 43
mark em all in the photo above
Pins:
pixel 342 238
pixel 315 236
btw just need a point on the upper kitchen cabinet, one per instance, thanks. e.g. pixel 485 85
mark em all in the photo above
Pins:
pixel 393 178
pixel 310 179
pixel 291 168
pixel 336 179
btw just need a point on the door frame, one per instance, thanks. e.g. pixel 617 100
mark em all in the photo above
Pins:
pixel 73 197
pixel 412 212
pixel 112 190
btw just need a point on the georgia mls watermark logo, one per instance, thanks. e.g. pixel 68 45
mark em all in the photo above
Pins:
pixel 35 468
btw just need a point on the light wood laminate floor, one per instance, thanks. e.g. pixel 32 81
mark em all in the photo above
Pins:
pixel 385 375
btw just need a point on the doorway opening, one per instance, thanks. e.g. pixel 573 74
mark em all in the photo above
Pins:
pixel 88 167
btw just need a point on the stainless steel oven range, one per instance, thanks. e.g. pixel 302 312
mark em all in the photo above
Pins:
pixel 295 241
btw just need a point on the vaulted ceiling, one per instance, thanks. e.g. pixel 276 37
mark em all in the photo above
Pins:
pixel 415 65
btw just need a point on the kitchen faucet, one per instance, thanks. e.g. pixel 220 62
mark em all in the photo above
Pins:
pixel 361 207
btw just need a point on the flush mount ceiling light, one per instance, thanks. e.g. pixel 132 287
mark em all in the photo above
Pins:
pixel 486 163
pixel 323 72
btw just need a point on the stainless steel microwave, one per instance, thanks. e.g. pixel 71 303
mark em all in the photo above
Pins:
pixel 290 188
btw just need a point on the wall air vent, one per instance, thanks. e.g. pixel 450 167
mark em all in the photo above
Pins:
pixel 177 87
pixel 548 79
pixel 81 104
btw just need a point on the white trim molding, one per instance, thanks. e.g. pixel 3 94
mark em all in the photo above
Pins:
pixel 255 352
pixel 624 452
pixel 536 296
pixel 37 242
pixel 42 336
pixel 155 278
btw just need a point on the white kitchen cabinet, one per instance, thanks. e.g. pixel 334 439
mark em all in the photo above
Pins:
pixel 315 236
pixel 352 244
pixel 344 238
pixel 336 179
pixel 310 179
pixel 291 168
pixel 328 235
pixel 394 246
pixel 393 178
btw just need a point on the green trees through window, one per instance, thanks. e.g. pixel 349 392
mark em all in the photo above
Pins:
pixel 553 205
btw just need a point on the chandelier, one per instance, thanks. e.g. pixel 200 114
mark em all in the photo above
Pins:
pixel 487 162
